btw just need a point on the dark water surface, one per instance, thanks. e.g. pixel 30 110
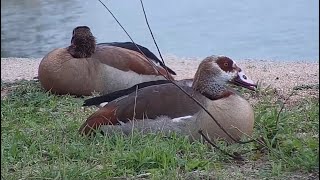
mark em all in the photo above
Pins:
pixel 255 29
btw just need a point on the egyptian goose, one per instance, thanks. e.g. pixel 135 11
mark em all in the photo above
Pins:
pixel 165 108
pixel 85 67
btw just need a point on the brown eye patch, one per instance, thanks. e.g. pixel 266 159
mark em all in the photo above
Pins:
pixel 225 63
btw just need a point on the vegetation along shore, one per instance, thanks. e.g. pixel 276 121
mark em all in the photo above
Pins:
pixel 39 137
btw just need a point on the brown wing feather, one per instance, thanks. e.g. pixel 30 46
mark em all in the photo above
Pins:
pixel 149 102
pixel 126 60
pixel 107 116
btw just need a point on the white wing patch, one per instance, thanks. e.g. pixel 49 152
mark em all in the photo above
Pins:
pixel 103 104
pixel 179 119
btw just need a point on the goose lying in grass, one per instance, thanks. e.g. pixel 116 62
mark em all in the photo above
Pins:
pixel 85 67
pixel 163 107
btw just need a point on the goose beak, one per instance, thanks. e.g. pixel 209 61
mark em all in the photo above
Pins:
pixel 242 80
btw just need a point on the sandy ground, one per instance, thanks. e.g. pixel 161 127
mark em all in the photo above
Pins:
pixel 283 76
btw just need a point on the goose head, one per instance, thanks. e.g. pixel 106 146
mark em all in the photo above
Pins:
pixel 83 43
pixel 215 72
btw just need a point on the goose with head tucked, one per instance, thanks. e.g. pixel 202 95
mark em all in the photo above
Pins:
pixel 85 67
pixel 165 108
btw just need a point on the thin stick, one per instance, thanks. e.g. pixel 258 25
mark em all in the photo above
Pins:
pixel 134 114
pixel 152 64
pixel 282 107
pixel 154 40
pixel 229 135
pixel 238 157
pixel 147 22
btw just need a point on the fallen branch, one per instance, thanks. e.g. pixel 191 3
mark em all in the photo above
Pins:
pixel 235 155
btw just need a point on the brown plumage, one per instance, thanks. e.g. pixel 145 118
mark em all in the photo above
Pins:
pixel 165 104
pixel 85 67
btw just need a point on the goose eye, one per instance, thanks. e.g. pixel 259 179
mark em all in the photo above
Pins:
pixel 226 64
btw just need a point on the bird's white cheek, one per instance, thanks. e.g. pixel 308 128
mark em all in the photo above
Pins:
pixel 228 76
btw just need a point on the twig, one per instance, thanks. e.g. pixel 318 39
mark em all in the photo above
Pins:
pixel 196 101
pixel 152 64
pixel 134 114
pixel 190 96
pixel 154 40
pixel 235 156
pixel 282 107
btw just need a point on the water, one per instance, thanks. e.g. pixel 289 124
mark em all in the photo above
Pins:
pixel 265 29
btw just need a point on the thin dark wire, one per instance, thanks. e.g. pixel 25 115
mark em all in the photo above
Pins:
pixel 152 64
pixel 154 40
pixel 195 100
pixel 236 157
pixel 146 18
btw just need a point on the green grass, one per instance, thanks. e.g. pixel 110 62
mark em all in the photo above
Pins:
pixel 40 140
